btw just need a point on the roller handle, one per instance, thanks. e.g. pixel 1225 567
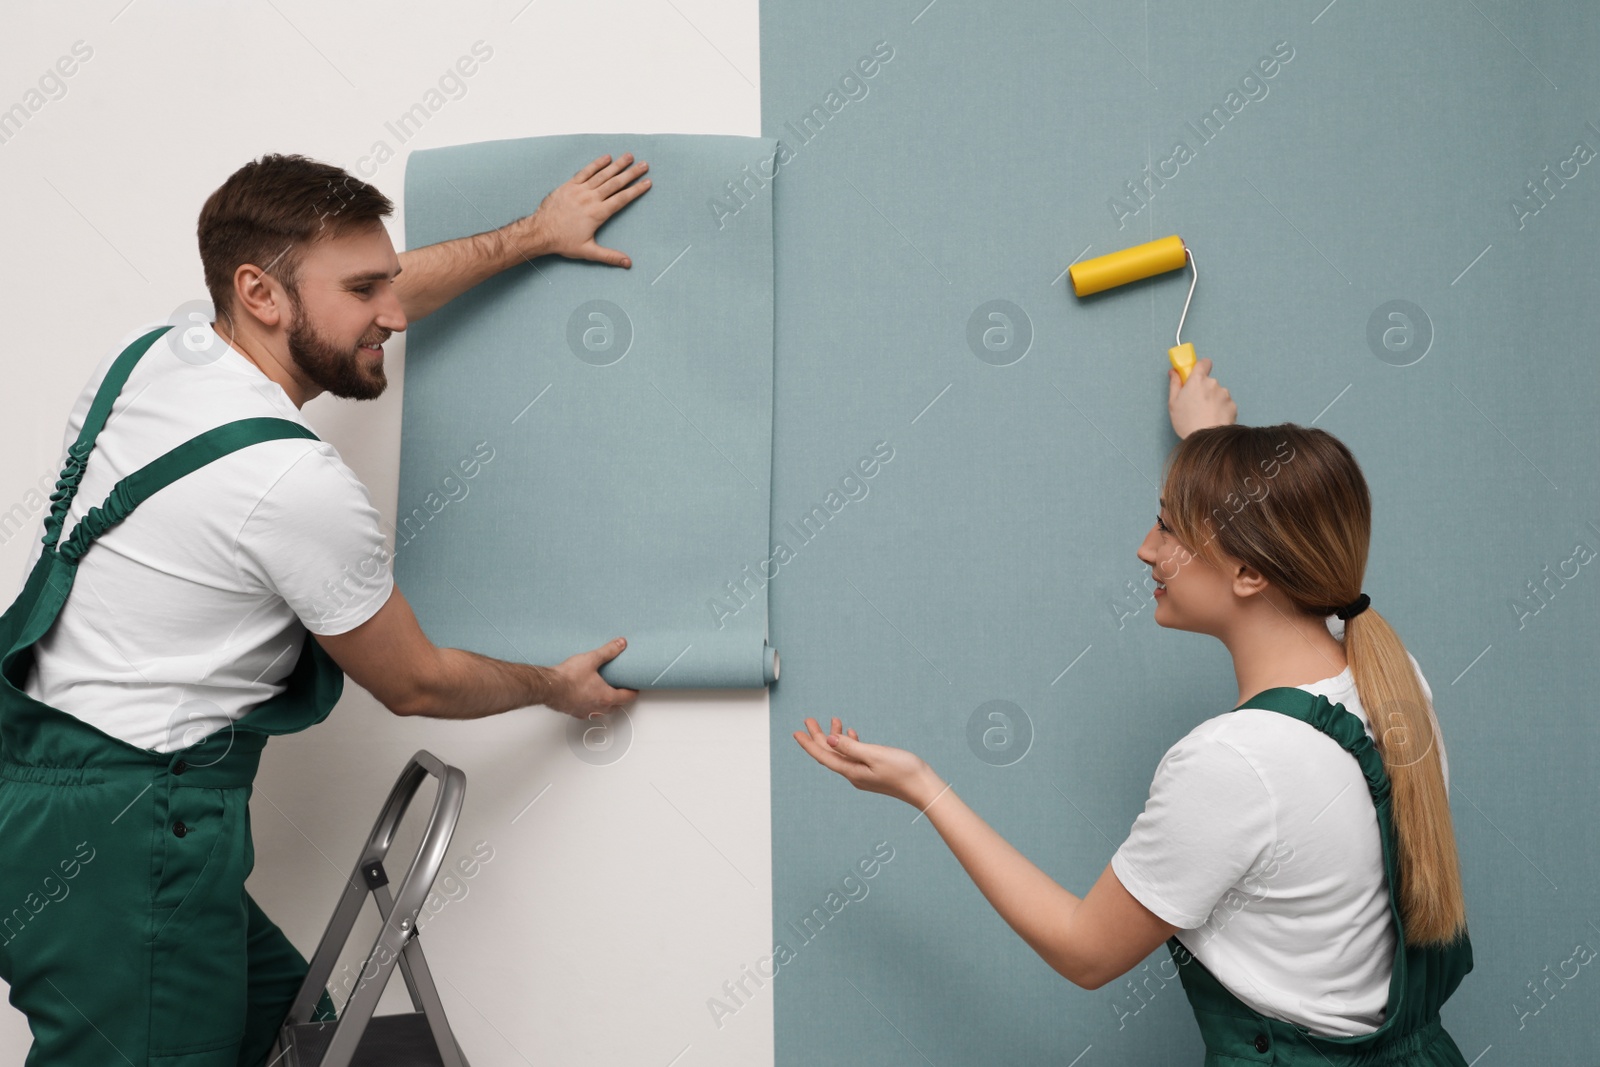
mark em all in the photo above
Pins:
pixel 1183 360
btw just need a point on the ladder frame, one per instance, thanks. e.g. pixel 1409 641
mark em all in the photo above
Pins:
pixel 396 941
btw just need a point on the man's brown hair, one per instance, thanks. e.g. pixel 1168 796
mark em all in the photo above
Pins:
pixel 270 211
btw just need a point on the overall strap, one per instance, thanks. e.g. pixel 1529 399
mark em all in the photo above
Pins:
pixel 162 471
pixel 1347 730
pixel 1335 721
pixel 78 453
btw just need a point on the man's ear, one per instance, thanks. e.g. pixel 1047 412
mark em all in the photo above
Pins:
pixel 258 294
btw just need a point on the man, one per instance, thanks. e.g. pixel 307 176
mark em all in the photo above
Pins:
pixel 162 636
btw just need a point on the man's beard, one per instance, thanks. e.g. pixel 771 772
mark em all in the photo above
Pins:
pixel 337 370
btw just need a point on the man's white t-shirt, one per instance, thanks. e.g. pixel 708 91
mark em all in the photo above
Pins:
pixel 1260 842
pixel 193 610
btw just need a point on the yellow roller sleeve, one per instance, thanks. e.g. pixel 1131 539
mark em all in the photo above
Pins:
pixel 1129 265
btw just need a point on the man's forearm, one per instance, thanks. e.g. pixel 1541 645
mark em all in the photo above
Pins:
pixel 466 685
pixel 436 274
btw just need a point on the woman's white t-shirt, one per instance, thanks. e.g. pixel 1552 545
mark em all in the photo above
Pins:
pixel 1260 842
pixel 193 611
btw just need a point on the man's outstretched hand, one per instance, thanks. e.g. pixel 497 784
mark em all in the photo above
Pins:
pixel 581 692
pixel 567 219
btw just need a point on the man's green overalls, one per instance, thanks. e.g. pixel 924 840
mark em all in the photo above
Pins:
pixel 1422 979
pixel 125 929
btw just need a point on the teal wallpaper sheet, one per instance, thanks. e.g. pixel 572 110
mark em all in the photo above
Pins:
pixel 1393 213
pixel 586 450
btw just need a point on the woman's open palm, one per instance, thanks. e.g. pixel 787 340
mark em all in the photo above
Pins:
pixel 893 772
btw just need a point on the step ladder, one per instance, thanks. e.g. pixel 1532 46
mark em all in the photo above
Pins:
pixel 358 1038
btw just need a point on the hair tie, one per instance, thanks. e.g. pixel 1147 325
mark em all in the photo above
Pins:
pixel 1354 608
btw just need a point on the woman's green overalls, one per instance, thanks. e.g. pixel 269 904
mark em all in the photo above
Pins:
pixel 125 929
pixel 1422 979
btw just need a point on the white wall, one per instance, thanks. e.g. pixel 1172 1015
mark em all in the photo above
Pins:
pixel 625 897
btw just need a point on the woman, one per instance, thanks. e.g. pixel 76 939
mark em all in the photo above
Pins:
pixel 1288 846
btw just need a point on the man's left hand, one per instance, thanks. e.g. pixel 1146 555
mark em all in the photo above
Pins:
pixel 567 219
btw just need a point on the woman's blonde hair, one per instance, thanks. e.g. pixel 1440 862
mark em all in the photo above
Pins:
pixel 1291 502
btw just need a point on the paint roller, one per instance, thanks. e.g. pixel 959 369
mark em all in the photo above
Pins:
pixel 1142 261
